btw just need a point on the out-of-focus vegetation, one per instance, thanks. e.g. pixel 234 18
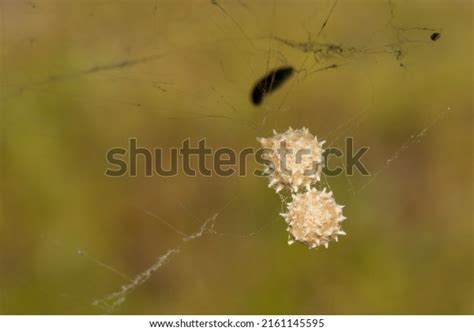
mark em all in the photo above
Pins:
pixel 80 77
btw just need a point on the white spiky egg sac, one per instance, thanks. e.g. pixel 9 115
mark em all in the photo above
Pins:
pixel 300 167
pixel 314 218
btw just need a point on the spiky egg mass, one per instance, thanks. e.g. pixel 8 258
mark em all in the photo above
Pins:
pixel 295 159
pixel 314 218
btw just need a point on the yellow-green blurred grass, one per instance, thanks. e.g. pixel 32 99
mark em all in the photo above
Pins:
pixel 409 243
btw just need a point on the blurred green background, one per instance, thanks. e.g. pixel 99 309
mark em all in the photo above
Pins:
pixel 80 77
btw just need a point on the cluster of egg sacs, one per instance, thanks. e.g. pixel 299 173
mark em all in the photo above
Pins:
pixel 294 162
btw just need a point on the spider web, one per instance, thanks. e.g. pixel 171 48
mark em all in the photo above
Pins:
pixel 187 71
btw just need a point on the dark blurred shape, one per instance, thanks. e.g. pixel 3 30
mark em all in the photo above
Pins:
pixel 269 83
pixel 435 36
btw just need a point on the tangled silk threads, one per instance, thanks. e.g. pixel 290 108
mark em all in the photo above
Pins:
pixel 294 162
